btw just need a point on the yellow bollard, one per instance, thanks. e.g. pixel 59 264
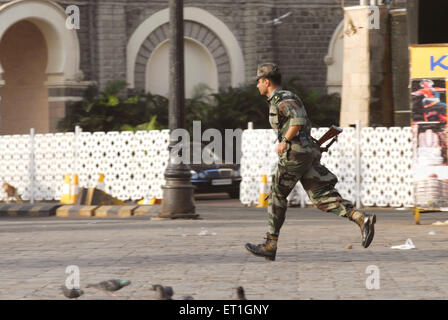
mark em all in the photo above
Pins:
pixel 66 192
pixel 101 185
pixel 74 189
pixel 262 203
pixel 143 201
pixel 155 201
pixel 417 215
pixel 150 201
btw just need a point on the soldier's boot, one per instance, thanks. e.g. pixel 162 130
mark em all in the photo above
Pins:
pixel 267 249
pixel 366 222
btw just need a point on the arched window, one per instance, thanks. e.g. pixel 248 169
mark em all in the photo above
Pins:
pixel 334 61
pixel 42 63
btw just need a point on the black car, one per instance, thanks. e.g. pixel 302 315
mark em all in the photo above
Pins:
pixel 212 178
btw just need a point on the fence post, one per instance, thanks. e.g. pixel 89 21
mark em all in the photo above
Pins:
pixel 358 164
pixel 75 150
pixel 31 167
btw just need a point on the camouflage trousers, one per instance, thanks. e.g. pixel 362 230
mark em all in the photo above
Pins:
pixel 317 181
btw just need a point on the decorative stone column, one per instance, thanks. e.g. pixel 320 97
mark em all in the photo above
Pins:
pixel 178 192
pixel 367 82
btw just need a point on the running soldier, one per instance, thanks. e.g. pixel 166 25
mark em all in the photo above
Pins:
pixel 299 160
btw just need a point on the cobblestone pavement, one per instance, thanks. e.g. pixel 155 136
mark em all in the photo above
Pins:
pixel 312 260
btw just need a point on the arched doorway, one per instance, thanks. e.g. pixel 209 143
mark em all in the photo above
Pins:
pixel 39 66
pixel 200 68
pixel 23 56
pixel 335 60
pixel 209 31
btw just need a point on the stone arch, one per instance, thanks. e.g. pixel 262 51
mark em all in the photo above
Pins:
pixel 196 56
pixel 24 63
pixel 62 78
pixel 192 30
pixel 201 26
pixel 62 43
pixel 334 60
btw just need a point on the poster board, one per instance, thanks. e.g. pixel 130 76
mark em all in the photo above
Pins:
pixel 428 86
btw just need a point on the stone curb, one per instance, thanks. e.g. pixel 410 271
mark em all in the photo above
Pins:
pixel 76 211
pixel 28 210
pixel 115 211
pixel 147 210
pixel 129 211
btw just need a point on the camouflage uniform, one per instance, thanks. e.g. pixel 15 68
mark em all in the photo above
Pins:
pixel 299 162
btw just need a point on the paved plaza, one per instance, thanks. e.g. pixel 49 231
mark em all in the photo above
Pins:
pixel 206 258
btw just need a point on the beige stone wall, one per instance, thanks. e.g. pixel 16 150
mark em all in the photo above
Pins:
pixel 24 104
pixel 356 73
pixel 366 93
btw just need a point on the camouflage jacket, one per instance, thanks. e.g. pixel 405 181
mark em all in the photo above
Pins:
pixel 285 110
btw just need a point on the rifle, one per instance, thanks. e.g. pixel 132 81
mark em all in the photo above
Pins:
pixel 333 132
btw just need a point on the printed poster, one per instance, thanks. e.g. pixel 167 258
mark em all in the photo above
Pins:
pixel 429 74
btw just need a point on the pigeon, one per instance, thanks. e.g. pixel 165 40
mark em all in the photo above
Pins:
pixel 277 21
pixel 186 298
pixel 71 293
pixel 110 285
pixel 240 293
pixel 163 293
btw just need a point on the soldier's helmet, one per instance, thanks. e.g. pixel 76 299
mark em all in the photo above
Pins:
pixel 267 70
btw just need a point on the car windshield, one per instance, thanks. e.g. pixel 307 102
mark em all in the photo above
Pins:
pixel 206 154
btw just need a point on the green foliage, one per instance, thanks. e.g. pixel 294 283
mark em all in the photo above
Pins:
pixel 235 107
pixel 229 109
pixel 111 110
pixel 322 109
pixel 151 125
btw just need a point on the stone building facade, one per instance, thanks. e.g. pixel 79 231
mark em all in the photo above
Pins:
pixel 127 39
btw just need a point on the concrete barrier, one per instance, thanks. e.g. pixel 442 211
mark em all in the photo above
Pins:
pixel 115 211
pixel 147 210
pixel 28 210
pixel 76 211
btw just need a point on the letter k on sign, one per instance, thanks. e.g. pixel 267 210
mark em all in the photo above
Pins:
pixel 439 63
